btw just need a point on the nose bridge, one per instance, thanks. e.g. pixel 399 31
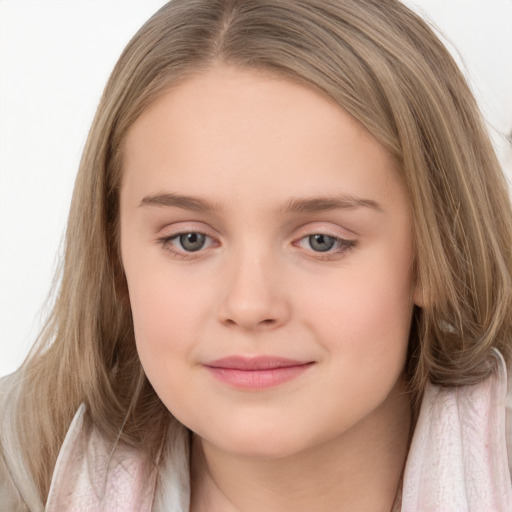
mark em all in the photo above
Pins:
pixel 254 296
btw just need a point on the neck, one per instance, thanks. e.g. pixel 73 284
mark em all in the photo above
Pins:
pixel 358 470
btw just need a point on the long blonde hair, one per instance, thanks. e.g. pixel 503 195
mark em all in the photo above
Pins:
pixel 382 64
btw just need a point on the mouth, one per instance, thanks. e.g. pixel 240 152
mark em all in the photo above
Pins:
pixel 256 373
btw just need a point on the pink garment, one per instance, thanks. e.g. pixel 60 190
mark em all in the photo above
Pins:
pixel 458 457
pixel 91 477
pixel 457 461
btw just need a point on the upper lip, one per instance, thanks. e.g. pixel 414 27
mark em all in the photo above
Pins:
pixel 254 363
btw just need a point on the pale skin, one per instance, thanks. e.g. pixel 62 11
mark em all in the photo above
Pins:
pixel 299 247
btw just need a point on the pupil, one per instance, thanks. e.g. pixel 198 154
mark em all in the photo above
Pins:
pixel 192 241
pixel 321 243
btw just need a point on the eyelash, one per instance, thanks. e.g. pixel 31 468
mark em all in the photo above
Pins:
pixel 183 254
pixel 342 246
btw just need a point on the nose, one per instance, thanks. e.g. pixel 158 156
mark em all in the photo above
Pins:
pixel 254 296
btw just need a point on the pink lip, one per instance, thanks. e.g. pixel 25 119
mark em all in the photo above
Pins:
pixel 256 372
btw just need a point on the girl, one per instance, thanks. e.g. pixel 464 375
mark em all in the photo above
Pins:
pixel 286 283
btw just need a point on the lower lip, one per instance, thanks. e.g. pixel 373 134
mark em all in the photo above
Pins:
pixel 258 379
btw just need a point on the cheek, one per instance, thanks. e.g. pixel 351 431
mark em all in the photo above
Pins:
pixel 364 327
pixel 163 338
pixel 364 311
pixel 168 310
pixel 163 316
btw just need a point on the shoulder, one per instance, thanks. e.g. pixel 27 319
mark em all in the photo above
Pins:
pixel 459 453
pixel 508 411
pixel 503 402
pixel 107 474
pixel 17 490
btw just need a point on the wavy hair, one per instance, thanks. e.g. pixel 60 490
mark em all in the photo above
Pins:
pixel 381 63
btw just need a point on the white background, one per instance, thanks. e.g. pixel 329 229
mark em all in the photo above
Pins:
pixel 55 58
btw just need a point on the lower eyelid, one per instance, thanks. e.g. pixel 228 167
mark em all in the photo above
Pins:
pixel 344 246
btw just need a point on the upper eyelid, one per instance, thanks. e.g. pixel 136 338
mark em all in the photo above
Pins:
pixel 310 228
pixel 335 231
pixel 173 236
pixel 169 231
pixel 343 241
pixel 295 241
pixel 183 227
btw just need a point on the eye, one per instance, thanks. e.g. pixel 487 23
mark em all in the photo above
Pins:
pixel 321 243
pixel 186 243
pixel 191 242
pixel 325 244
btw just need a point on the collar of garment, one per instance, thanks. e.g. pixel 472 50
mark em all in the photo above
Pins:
pixel 459 459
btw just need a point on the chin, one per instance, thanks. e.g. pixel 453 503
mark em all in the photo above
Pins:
pixel 258 441
pixel 263 448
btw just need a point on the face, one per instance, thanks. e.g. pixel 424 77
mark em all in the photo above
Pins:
pixel 266 240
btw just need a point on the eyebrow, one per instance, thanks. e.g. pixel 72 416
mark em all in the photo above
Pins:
pixel 196 204
pixel 294 205
pixel 320 204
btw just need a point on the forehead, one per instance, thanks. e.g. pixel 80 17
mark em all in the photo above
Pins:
pixel 229 132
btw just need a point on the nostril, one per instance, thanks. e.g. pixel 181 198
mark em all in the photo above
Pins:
pixel 267 323
pixel 253 306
